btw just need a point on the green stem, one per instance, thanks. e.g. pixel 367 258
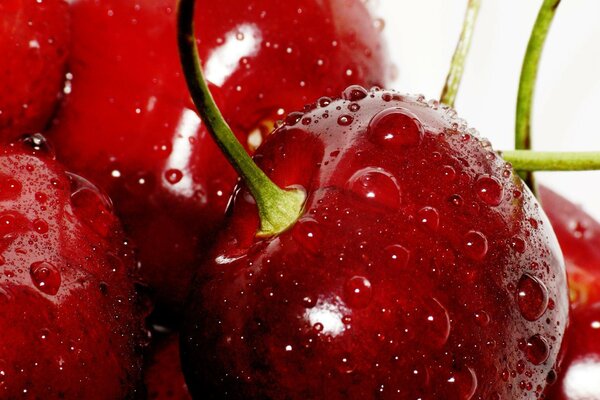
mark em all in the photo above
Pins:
pixel 527 160
pixel 457 66
pixel 528 78
pixel 278 208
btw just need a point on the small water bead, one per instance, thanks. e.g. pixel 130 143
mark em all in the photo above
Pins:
pixel 518 244
pixel 40 226
pixel 463 383
pixel 173 176
pixel 45 277
pixel 9 188
pixel 376 186
pixel 355 93
pixel 358 292
pixel 448 173
pixel 308 234
pixel 345 120
pixel 396 256
pixel 91 205
pixel 537 349
pixel 38 143
pixel 482 318
pixel 434 323
pixel 354 107
pixel 293 118
pixel 489 190
pixel 395 128
pixel 429 217
pixel 475 245
pixel 532 297
pixel 347 364
pixel 324 101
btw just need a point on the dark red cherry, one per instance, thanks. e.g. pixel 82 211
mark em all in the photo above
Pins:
pixel 129 125
pixel 416 288
pixel 579 236
pixel 71 322
pixel 34 38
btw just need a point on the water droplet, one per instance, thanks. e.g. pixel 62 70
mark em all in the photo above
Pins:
pixel 429 217
pixel 173 176
pixel 396 128
pixel 448 173
pixel 345 120
pixel 358 292
pixel 347 365
pixel 537 349
pixel 434 323
pixel 9 188
pixel 489 190
pixel 91 205
pixel 324 101
pixel 40 226
pixel 518 244
pixel 376 186
pixel 532 297
pixel 463 383
pixel 38 143
pixel 45 277
pixel 293 118
pixel 396 256
pixel 355 93
pixel 482 318
pixel 307 232
pixel 475 245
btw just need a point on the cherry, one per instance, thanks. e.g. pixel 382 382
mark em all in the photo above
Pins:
pixel 162 371
pixel 579 237
pixel 33 42
pixel 129 125
pixel 71 324
pixel 419 267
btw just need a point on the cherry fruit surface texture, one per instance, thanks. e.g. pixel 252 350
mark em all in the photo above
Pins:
pixel 421 267
pixel 129 124
pixel 71 324
pixel 579 237
pixel 33 42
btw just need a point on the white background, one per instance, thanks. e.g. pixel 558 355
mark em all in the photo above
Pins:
pixel 421 37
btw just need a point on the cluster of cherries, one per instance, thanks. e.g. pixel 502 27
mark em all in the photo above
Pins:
pixel 419 265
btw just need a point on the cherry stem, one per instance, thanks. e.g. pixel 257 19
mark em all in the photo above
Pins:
pixel 527 160
pixel 457 65
pixel 527 82
pixel 278 209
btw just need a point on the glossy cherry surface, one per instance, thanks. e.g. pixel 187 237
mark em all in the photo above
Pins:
pixel 579 236
pixel 33 42
pixel 420 268
pixel 71 324
pixel 163 377
pixel 129 124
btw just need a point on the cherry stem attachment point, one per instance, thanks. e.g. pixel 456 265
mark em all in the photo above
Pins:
pixel 528 78
pixel 278 208
pixel 457 65
pixel 529 161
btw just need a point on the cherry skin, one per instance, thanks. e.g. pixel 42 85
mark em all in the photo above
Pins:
pixel 71 324
pixel 129 124
pixel 33 43
pixel 162 370
pixel 421 267
pixel 579 236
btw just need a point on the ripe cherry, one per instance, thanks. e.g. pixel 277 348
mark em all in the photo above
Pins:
pixel 579 236
pixel 71 324
pixel 419 267
pixel 33 44
pixel 130 127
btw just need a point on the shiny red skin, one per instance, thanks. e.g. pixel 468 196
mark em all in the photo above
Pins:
pixel 33 42
pixel 71 324
pixel 128 124
pixel 163 377
pixel 372 294
pixel 579 236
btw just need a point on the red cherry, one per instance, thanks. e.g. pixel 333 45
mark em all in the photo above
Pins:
pixel 71 324
pixel 409 295
pixel 129 124
pixel 33 44
pixel 579 236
